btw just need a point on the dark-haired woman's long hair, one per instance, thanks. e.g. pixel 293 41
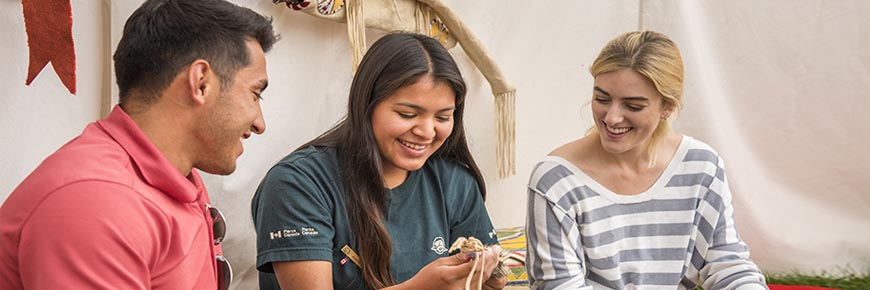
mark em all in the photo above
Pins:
pixel 396 60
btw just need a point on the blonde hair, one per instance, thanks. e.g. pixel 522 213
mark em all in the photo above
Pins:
pixel 655 56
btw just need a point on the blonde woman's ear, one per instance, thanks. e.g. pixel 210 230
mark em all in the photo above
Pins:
pixel 665 116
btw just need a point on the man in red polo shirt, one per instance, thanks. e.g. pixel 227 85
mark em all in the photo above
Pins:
pixel 122 206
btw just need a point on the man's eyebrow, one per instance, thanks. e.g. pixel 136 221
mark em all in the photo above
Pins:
pixel 262 84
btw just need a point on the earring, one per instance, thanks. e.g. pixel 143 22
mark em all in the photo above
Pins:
pixel 665 116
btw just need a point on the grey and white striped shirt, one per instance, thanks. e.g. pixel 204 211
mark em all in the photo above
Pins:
pixel 677 234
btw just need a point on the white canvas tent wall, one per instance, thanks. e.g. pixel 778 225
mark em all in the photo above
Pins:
pixel 777 87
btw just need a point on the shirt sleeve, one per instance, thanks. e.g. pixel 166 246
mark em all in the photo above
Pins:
pixel 473 220
pixel 292 217
pixel 88 235
pixel 727 264
pixel 554 253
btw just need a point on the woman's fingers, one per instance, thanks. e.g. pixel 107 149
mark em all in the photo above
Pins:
pixel 495 283
pixel 492 254
pixel 456 267
pixel 459 269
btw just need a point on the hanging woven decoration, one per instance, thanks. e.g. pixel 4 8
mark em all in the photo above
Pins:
pixel 49 38
pixel 435 19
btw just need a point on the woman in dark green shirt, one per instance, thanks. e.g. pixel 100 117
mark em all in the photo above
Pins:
pixel 376 201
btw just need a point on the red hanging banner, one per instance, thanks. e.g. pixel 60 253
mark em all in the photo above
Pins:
pixel 49 37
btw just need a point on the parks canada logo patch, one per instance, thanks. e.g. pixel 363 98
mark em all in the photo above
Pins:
pixel 438 246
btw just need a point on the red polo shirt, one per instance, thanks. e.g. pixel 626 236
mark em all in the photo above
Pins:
pixel 107 211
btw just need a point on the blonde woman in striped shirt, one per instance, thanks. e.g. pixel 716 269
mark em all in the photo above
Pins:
pixel 634 205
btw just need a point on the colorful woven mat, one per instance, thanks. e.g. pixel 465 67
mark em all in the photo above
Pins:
pixel 513 240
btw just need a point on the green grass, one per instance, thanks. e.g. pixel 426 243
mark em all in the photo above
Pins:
pixel 848 280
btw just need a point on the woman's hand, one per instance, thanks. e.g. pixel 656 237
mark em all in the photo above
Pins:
pixel 495 283
pixel 444 273
pixel 451 272
pixel 492 283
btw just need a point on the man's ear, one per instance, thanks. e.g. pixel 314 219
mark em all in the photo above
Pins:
pixel 202 81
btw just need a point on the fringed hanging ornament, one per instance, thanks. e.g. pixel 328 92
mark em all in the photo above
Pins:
pixel 435 19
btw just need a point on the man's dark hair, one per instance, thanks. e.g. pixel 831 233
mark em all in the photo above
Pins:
pixel 164 36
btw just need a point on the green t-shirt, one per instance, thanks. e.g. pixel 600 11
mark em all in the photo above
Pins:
pixel 299 213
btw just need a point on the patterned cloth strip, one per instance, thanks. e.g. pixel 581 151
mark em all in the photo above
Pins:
pixel 513 240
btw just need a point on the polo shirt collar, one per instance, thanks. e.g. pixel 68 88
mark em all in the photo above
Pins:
pixel 156 170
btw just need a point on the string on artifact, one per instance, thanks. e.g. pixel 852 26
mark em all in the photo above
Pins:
pixel 356 31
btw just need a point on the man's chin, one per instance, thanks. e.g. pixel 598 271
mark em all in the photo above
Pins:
pixel 219 170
